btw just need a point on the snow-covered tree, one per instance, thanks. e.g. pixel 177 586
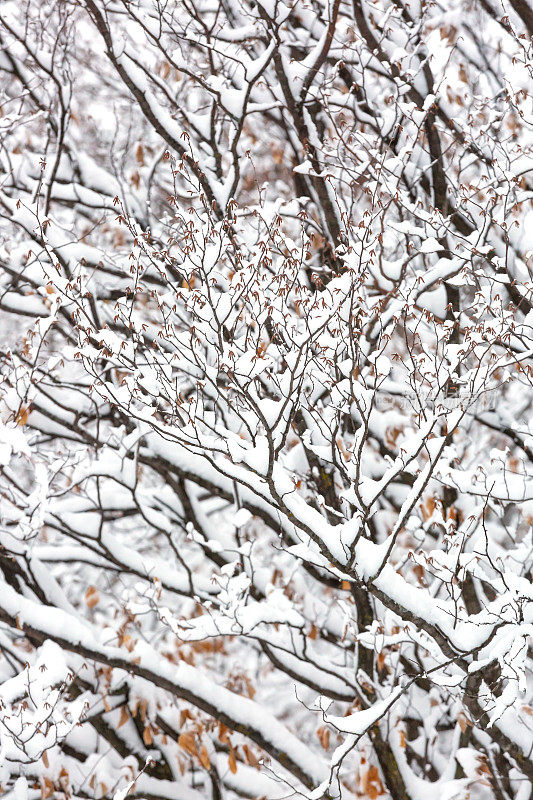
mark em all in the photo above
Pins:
pixel 266 429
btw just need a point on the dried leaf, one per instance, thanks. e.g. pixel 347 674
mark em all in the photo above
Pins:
pixel 45 759
pixel 428 507
pixel 124 716
pixel 223 736
pixel 251 758
pixel 147 736
pixel 142 707
pixel 22 416
pixel 92 596
pixel 187 741
pixel 323 735
pixel 232 761
pixel 204 758
pixel 463 721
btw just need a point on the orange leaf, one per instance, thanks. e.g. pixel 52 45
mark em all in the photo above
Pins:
pixel 185 714
pixel 124 716
pixel 204 758
pixel 147 736
pixel 232 761
pixel 143 706
pixel 251 758
pixel 463 721
pixel 223 733
pixel 323 735
pixel 250 688
pixel 188 743
pixel 22 416
pixel 428 508
pixel 92 596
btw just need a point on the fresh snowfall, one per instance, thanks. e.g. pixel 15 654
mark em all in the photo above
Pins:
pixel 266 399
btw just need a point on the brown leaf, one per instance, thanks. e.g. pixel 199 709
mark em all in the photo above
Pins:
pixel 22 416
pixel 251 758
pixel 391 436
pixel 232 761
pixel 376 787
pixel 124 716
pixel 139 154
pixel 418 570
pixel 483 767
pixel 185 714
pixel 142 707
pixel 204 758
pixel 92 596
pixel 223 733
pixel 147 736
pixel 463 721
pixel 45 759
pixel 128 643
pixel 346 454
pixel 64 779
pixel 323 735
pixel 428 507
pixel 187 741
